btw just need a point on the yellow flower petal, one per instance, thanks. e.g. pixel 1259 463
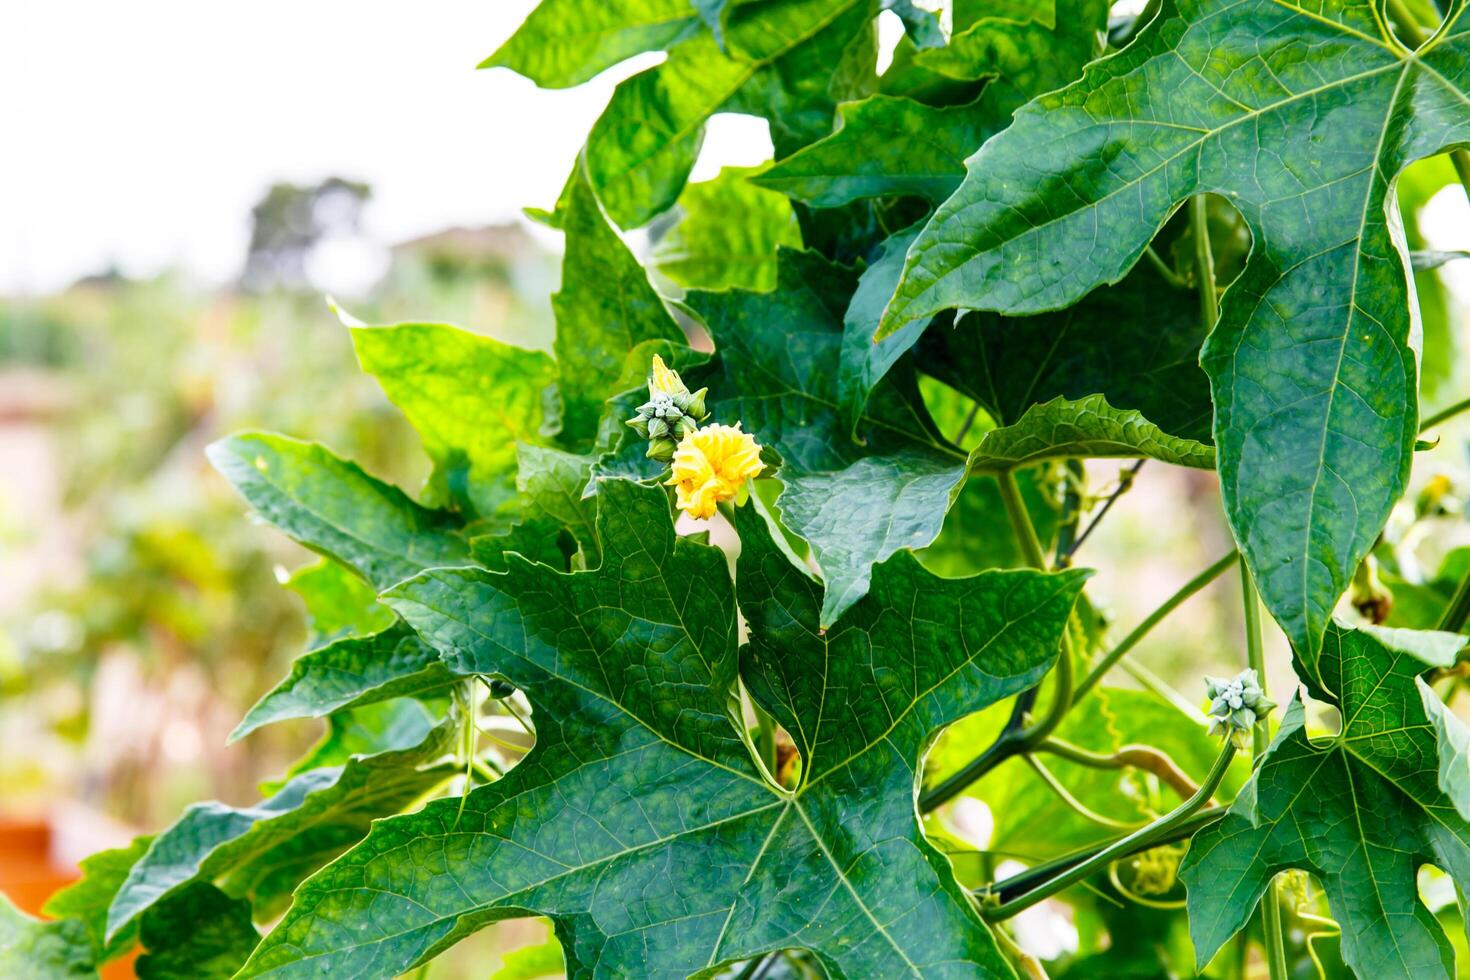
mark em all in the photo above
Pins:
pixel 664 380
pixel 711 465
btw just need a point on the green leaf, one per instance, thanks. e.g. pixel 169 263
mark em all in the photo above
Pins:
pixel 350 673
pixel 1136 343
pixel 639 822
pixel 566 42
pixel 855 503
pixel 862 362
pixel 1090 428
pixel 338 603
pixel 198 932
pixel 263 851
pixel 88 899
pixel 605 308
pixel 470 397
pixel 550 483
pixel 40 950
pixel 1361 811
pixel 1310 363
pixel 644 144
pixel 1026 51
pixel 885 146
pixel 727 234
pixel 396 725
pixel 332 507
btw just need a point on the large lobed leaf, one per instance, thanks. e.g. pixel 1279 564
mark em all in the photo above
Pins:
pixel 640 823
pixel 1361 811
pixel 856 500
pixel 1301 118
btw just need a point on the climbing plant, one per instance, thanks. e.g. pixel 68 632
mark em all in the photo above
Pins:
pixel 714 625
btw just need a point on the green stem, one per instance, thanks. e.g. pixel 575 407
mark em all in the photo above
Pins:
pixel 1255 652
pixel 1021 526
pixel 1153 619
pixel 1204 261
pixel 1125 482
pixel 1170 276
pixel 1445 414
pixel 1020 884
pixel 1260 739
pixel 1140 840
pixel 969 421
pixel 1457 613
pixel 1005 745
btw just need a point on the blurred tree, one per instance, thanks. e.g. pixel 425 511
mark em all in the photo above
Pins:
pixel 289 222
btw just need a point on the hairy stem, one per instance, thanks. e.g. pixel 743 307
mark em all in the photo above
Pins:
pixel 1107 662
pixel 1144 757
pixel 1153 835
pixel 1163 268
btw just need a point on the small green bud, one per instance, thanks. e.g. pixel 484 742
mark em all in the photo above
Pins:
pixel 684 426
pixel 658 429
pixel 639 424
pixel 1236 705
pixel 661 450
pixel 695 407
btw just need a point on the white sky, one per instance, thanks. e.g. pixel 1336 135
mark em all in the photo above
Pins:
pixel 142 133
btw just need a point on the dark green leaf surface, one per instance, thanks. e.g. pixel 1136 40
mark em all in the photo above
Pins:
pixel 470 397
pixel 604 309
pixel 349 673
pixel 639 822
pixel 727 234
pixel 1361 811
pixel 855 503
pixel 977 533
pixel 1089 427
pixel 885 146
pixel 199 933
pixel 1301 118
pixel 331 506
pixel 39 950
pixel 566 42
pixel 1136 343
pixel 264 850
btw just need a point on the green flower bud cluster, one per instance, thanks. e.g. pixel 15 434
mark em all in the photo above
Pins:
pixel 1236 705
pixel 671 412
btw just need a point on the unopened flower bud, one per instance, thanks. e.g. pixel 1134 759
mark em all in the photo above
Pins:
pixel 1236 705
pixel 658 428
pixel 661 450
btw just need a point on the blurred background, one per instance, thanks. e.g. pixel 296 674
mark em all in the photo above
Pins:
pixel 181 186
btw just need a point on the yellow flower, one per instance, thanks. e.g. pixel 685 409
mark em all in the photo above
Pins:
pixel 664 380
pixel 710 465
